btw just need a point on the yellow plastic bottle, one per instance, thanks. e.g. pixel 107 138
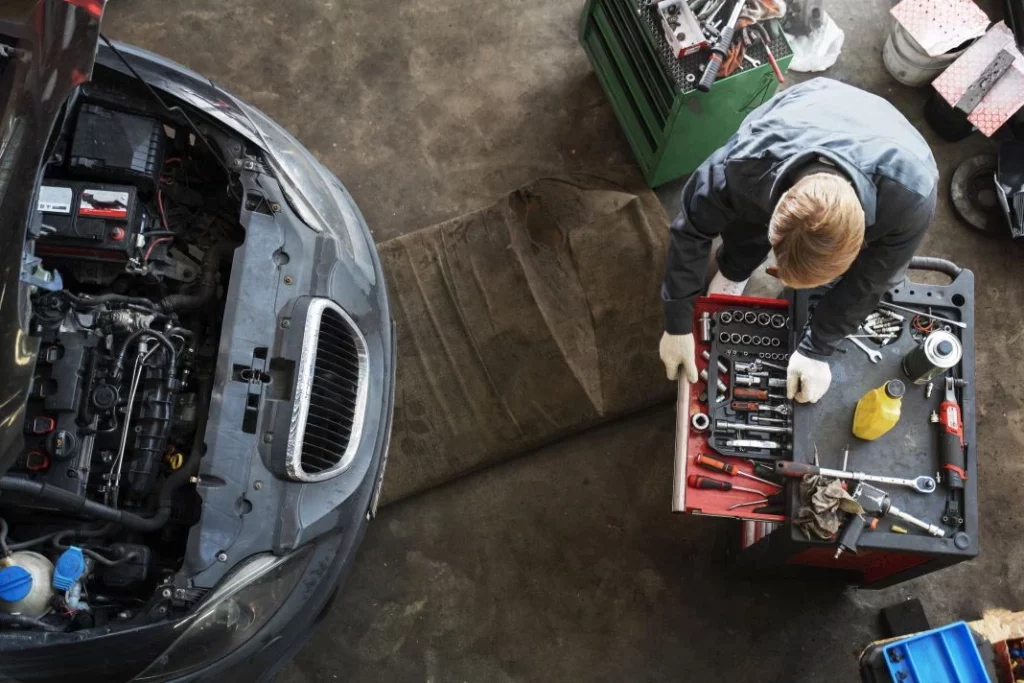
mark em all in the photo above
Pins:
pixel 878 411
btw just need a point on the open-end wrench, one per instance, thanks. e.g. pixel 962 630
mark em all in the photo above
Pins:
pixel 873 356
pixel 922 484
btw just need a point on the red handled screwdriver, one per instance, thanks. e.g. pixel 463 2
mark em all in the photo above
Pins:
pixel 699 482
pixel 710 463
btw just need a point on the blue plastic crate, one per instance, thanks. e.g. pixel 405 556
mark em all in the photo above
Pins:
pixel 943 655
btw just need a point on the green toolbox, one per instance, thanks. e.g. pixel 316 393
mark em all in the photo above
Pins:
pixel 671 126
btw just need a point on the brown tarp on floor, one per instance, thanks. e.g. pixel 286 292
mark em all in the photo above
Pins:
pixel 521 323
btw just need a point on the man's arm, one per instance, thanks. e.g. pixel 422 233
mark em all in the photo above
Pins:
pixel 879 266
pixel 705 209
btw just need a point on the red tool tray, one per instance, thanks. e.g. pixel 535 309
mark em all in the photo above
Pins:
pixel 709 501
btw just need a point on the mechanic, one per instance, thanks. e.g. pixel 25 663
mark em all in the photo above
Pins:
pixel 833 180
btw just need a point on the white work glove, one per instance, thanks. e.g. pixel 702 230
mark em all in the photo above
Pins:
pixel 676 350
pixel 720 284
pixel 807 379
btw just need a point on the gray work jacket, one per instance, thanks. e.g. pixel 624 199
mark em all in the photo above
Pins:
pixel 734 192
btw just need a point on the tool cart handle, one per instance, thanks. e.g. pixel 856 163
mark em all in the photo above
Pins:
pixel 940 265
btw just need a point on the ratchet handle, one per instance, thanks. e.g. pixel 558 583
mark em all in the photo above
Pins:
pixel 953 460
pixel 718 53
pixel 788 468
pixel 951 444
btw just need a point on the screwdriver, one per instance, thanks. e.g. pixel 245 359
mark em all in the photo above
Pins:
pixel 698 481
pixel 755 394
pixel 728 468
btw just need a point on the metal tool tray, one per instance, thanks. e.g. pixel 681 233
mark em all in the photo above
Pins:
pixel 722 410
pixel 911 448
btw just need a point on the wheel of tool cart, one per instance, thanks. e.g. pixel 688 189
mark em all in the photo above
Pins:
pixel 974 194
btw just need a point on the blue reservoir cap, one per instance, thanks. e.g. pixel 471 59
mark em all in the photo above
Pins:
pixel 70 566
pixel 15 583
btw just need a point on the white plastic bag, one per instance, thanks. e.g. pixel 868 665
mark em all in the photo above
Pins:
pixel 819 49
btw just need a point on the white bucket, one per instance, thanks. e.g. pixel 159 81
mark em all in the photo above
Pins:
pixel 908 63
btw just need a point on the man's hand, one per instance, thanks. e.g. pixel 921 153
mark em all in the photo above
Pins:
pixel 807 379
pixel 676 350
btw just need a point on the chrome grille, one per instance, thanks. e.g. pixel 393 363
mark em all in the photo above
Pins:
pixel 330 392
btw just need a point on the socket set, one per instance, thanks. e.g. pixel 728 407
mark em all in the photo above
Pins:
pixel 748 414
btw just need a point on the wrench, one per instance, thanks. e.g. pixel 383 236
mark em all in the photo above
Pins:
pixel 751 60
pixel 873 356
pixel 922 484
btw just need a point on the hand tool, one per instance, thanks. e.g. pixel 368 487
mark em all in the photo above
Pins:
pixel 761 419
pixel 876 501
pixel 750 318
pixel 928 388
pixel 767 42
pixel 850 534
pixel 922 484
pixel 773 505
pixel 754 62
pixel 951 453
pixel 746 380
pixel 721 48
pixel 725 425
pixel 705 327
pixel 774 366
pixel 756 394
pixel 700 422
pixel 776 383
pixel 725 317
pixel 762 470
pixel 763 319
pixel 710 463
pixel 873 356
pixel 757 443
pixel 699 481
pixel 682 440
pixel 720 384
pixel 751 407
pixel 721 366
pixel 897 307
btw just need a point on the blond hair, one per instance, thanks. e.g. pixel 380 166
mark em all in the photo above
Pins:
pixel 816 230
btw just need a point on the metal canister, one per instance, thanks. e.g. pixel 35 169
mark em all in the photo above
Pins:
pixel 939 352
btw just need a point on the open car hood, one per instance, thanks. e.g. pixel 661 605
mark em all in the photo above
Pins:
pixel 47 50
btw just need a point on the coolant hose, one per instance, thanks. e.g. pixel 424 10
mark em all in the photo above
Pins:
pixel 207 287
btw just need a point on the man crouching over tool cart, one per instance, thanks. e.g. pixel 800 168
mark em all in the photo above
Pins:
pixel 833 180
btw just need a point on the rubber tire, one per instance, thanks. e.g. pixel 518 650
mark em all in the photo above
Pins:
pixel 989 221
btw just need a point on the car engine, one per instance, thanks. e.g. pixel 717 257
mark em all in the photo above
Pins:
pixel 138 218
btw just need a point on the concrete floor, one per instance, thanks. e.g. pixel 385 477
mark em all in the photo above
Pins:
pixel 565 564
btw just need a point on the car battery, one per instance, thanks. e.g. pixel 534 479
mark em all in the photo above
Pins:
pixel 88 220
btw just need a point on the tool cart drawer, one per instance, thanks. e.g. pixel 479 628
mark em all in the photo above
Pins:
pixel 766 338
pixel 909 450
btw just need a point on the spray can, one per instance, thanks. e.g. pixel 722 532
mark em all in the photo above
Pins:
pixel 939 352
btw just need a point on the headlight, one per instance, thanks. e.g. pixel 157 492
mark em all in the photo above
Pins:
pixel 311 190
pixel 314 203
pixel 231 615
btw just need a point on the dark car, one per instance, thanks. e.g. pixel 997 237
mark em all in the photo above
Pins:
pixel 197 370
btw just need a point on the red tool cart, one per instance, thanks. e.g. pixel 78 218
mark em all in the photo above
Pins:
pixel 769 543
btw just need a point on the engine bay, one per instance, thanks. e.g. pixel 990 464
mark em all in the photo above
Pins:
pixel 138 218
